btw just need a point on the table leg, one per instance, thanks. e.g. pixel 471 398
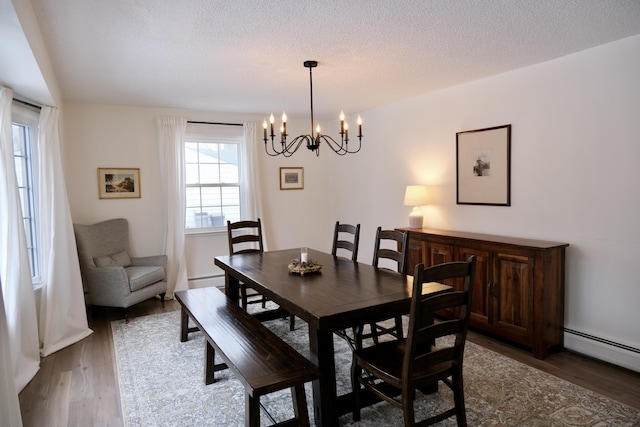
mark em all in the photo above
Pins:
pixel 232 287
pixel 324 389
pixel 184 325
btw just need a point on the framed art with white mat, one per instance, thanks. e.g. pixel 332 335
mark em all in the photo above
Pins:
pixel 483 166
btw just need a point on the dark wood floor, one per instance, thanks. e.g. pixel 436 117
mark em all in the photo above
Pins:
pixel 77 386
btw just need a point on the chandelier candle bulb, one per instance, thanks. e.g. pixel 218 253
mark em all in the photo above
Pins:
pixel 359 127
pixel 264 126
pixel 271 120
pixel 284 124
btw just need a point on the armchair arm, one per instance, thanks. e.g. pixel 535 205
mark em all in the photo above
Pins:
pixel 107 286
pixel 156 260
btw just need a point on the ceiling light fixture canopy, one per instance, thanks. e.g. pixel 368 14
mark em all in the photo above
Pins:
pixel 312 141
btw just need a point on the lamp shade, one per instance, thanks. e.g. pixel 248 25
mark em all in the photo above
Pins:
pixel 415 195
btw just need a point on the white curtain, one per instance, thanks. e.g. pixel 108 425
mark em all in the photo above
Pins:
pixel 63 316
pixel 252 198
pixel 171 133
pixel 15 271
pixel 9 403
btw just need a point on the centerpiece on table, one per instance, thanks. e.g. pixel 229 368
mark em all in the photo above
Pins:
pixel 304 264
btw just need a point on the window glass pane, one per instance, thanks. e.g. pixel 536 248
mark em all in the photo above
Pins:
pixel 191 173
pixel 208 153
pixel 191 152
pixel 18 140
pixel 209 174
pixel 229 173
pixel 193 198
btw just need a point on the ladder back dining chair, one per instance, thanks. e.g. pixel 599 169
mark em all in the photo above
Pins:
pixel 390 248
pixel 341 233
pixel 432 352
pixel 246 237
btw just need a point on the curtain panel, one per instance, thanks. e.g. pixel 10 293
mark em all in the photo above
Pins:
pixel 15 272
pixel 252 199
pixel 171 134
pixel 63 315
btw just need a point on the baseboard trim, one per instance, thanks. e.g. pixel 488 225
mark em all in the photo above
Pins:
pixel 206 281
pixel 603 349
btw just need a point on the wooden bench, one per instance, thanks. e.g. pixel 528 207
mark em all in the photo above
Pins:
pixel 259 359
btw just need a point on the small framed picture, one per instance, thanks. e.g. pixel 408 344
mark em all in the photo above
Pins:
pixel 119 183
pixel 291 178
pixel 483 166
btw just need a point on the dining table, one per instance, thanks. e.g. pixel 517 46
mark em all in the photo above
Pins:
pixel 342 294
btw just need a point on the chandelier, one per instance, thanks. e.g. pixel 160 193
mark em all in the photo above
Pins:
pixel 287 148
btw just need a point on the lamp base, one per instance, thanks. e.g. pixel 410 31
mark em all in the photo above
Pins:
pixel 415 218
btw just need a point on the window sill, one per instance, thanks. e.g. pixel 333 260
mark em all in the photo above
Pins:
pixel 205 231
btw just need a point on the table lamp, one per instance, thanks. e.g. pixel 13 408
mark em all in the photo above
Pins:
pixel 416 196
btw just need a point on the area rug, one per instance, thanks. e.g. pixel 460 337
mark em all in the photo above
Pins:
pixel 161 383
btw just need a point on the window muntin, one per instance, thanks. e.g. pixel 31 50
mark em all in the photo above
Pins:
pixel 213 185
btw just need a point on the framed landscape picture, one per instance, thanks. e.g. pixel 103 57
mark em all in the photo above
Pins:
pixel 483 166
pixel 291 178
pixel 119 183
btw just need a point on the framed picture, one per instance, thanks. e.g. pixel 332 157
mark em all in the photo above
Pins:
pixel 117 183
pixel 291 178
pixel 483 166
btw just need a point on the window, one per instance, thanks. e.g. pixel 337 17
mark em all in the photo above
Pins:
pixel 25 145
pixel 213 176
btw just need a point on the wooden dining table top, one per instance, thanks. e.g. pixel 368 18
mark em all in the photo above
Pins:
pixel 342 294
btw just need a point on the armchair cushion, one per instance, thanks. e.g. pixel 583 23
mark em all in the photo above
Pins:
pixel 143 276
pixel 119 259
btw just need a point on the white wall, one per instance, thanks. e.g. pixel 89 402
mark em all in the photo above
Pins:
pixel 575 174
pixel 575 149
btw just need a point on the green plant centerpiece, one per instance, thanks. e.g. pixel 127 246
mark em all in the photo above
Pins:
pixel 302 268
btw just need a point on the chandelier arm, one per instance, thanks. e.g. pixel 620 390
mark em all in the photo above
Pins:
pixel 339 148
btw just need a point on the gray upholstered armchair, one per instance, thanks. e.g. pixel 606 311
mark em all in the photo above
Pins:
pixel 110 275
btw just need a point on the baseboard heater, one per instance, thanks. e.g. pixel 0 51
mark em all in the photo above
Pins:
pixel 603 340
pixel 213 276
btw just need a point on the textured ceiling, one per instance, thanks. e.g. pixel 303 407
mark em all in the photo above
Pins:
pixel 246 56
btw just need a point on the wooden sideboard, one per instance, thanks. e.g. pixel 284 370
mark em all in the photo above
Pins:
pixel 518 293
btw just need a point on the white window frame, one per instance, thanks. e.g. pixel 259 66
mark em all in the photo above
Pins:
pixel 28 119
pixel 217 135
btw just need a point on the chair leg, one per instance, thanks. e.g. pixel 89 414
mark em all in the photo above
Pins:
pixel 300 405
pixel 399 331
pixel 374 332
pixel 408 410
pixel 292 322
pixel 243 296
pixel 458 398
pixel 355 383
pixel 162 295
